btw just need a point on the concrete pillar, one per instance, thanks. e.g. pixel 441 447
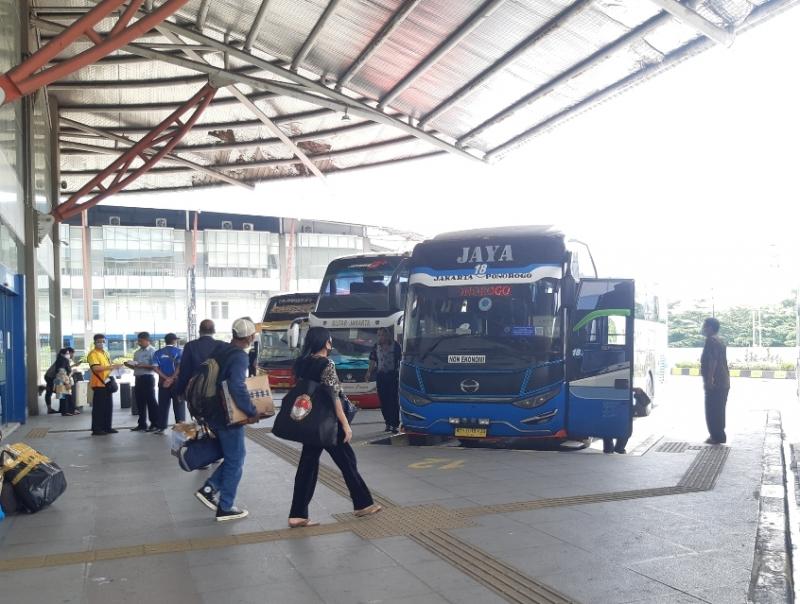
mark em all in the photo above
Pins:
pixel 56 323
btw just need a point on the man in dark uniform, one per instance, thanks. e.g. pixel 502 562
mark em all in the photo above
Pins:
pixel 195 353
pixel 716 381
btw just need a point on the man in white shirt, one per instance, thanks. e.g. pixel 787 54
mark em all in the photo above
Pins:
pixel 144 375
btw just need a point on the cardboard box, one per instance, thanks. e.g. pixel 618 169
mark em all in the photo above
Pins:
pixel 260 396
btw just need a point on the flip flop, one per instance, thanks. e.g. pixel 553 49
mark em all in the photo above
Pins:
pixel 368 511
pixel 304 523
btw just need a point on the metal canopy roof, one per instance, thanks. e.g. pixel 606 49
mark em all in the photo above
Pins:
pixel 354 83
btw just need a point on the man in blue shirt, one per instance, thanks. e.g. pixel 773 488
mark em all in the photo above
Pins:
pixel 144 377
pixel 195 353
pixel 219 491
pixel 167 361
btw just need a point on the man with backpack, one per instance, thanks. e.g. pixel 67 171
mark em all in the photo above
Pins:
pixel 195 353
pixel 228 363
pixel 167 361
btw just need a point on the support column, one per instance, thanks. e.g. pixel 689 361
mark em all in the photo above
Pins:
pixel 29 249
pixel 56 323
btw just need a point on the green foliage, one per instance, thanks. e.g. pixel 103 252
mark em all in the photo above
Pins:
pixel 777 326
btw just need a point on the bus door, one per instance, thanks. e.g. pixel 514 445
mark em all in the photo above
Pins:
pixel 600 361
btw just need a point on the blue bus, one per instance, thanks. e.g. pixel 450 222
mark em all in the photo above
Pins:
pixel 510 334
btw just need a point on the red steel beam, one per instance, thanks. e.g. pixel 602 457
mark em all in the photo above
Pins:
pixel 26 78
pixel 119 168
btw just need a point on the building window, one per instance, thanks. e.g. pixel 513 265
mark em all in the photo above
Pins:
pixel 219 310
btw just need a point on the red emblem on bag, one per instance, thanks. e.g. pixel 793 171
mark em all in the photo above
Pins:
pixel 301 407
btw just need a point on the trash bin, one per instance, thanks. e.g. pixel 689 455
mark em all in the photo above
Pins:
pixel 124 395
pixel 79 391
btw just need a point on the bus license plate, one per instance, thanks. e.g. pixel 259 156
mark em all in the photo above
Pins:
pixel 471 432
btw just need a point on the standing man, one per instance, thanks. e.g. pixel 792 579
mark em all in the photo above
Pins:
pixel 101 368
pixel 195 353
pixel 167 362
pixel 716 381
pixel 219 491
pixel 144 376
pixel 384 364
pixel 252 356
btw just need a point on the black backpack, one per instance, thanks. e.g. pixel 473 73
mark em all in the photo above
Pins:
pixel 204 392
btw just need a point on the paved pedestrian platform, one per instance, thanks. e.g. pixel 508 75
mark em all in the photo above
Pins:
pixel 675 520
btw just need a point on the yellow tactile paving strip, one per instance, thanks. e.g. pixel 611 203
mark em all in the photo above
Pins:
pixel 427 525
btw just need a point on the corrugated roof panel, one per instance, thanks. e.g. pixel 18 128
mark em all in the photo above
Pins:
pixel 347 33
pixel 421 32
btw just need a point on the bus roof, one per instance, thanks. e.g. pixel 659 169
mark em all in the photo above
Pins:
pixel 286 307
pixel 525 231
pixel 523 245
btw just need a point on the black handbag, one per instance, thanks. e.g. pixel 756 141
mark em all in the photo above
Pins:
pixel 111 385
pixel 348 407
pixel 307 416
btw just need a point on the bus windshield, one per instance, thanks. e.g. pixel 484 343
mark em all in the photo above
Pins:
pixel 274 350
pixel 352 347
pixel 518 323
pixel 358 284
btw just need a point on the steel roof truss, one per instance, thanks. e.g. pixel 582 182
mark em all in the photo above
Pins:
pixel 119 168
pixel 33 73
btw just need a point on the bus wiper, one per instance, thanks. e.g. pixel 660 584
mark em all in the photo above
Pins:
pixel 439 341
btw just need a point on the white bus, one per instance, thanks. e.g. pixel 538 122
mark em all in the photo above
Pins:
pixel 650 347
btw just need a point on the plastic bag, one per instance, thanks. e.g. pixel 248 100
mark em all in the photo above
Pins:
pixel 37 481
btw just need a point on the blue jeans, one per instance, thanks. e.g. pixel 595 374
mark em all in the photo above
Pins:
pixel 226 477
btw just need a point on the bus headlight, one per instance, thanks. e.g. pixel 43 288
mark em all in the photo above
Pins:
pixel 415 399
pixel 538 400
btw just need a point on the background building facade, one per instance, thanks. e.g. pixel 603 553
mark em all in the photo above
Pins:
pixel 141 263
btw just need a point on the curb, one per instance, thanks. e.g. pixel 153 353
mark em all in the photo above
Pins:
pixel 771 580
pixel 745 373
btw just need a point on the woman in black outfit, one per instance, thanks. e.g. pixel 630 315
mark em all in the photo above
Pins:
pixel 63 361
pixel 314 364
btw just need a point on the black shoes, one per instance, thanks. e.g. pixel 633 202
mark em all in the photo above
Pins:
pixel 112 431
pixel 208 497
pixel 138 429
pixel 151 429
pixel 98 433
pixel 159 431
pixel 232 514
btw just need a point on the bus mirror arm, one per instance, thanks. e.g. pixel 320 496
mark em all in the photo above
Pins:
pixel 569 291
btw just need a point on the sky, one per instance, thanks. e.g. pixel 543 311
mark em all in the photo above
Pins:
pixel 688 180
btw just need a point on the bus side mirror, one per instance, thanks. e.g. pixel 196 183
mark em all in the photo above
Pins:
pixel 569 292
pixel 293 335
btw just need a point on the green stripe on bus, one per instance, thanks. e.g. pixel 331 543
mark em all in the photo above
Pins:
pixel 605 312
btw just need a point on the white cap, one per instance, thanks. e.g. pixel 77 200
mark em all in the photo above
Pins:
pixel 243 328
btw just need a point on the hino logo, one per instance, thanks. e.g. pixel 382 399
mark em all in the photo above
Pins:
pixel 470 386
pixel 486 253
